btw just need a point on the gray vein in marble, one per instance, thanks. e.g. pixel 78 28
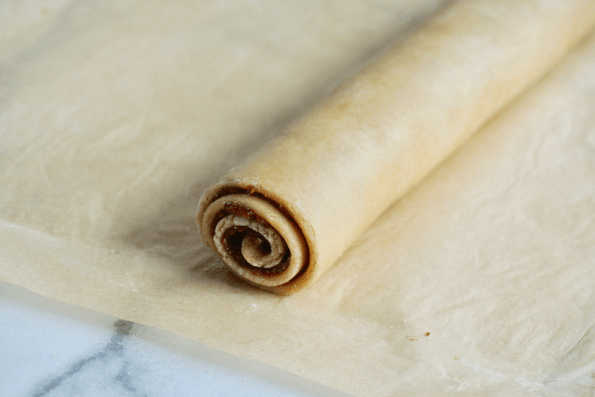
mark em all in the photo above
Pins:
pixel 113 350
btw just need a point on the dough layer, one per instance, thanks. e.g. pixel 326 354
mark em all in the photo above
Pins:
pixel 338 167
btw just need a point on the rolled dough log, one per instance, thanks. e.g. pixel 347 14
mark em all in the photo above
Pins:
pixel 285 216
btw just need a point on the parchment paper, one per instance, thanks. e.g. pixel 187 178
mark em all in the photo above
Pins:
pixel 115 117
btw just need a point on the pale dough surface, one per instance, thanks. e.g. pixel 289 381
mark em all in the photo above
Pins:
pixel 338 167
pixel 116 116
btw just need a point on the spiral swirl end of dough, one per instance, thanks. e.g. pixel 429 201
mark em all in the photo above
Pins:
pixel 258 241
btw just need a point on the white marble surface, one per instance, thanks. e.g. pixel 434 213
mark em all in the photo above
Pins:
pixel 51 349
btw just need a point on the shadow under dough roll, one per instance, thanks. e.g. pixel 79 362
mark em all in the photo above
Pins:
pixel 284 217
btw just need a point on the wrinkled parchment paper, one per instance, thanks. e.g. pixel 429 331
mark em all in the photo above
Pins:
pixel 116 116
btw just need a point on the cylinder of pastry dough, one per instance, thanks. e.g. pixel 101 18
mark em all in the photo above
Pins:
pixel 286 215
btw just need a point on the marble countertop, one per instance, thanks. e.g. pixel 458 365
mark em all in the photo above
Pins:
pixel 50 349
